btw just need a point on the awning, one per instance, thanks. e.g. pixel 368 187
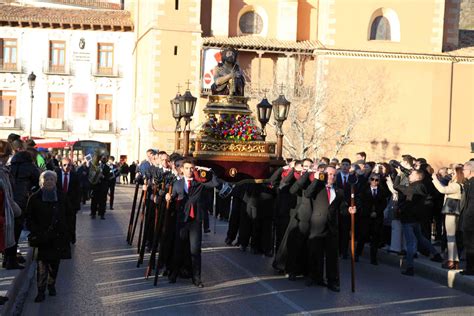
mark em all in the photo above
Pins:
pixel 45 143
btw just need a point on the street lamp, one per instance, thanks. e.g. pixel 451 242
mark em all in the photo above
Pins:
pixel 31 83
pixel 281 107
pixel 264 112
pixel 176 110
pixel 187 104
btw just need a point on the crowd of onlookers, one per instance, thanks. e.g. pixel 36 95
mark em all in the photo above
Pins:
pixel 40 193
pixel 409 207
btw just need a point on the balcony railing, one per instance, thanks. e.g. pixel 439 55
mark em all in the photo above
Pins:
pixel 55 124
pixel 54 69
pixel 101 126
pixel 106 71
pixel 9 123
pixel 9 67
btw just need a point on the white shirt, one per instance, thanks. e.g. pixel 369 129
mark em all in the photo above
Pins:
pixel 344 177
pixel 186 187
pixel 333 194
pixel 374 191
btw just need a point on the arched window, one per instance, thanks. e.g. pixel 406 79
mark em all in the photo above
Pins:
pixel 251 23
pixel 380 29
pixel 384 25
pixel 252 20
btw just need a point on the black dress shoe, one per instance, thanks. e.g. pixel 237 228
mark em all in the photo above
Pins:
pixel 374 262
pixel 3 300
pixel 40 297
pixel 437 258
pixel 243 248
pixel 409 272
pixel 20 258
pixel 102 217
pixel 172 279
pixel 467 272
pixel 268 254
pixel 334 287
pixel 93 216
pixel 311 282
pixel 228 242
pixel 292 277
pixel 13 265
pixel 52 290
pixel 198 284
pixel 207 231
pixel 321 283
pixel 111 207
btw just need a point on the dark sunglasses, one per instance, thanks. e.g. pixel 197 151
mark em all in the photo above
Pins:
pixel 374 179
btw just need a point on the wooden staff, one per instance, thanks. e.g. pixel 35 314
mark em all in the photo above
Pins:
pixel 170 191
pixel 132 214
pixel 137 216
pixel 352 241
pixel 156 235
pixel 146 221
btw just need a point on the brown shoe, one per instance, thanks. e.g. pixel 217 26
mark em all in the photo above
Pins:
pixel 447 264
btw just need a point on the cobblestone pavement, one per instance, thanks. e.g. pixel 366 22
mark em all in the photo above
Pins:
pixel 102 279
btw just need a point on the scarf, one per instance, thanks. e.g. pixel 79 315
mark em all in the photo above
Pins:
pixel 49 195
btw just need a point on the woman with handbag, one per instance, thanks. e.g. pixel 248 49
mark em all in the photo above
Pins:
pixel 451 210
pixel 49 219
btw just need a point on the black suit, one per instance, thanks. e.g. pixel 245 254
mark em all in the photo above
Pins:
pixel 345 221
pixel 73 195
pixel 188 228
pixel 370 227
pixel 323 238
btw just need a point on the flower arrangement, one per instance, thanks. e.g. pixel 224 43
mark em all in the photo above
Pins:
pixel 234 127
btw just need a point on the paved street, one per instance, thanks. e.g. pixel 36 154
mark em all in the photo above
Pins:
pixel 102 279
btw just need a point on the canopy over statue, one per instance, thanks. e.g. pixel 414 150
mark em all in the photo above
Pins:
pixel 228 79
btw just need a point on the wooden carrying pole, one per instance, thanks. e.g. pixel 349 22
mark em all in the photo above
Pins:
pixel 352 241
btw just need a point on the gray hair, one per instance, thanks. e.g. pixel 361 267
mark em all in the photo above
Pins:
pixel 47 173
pixel 470 165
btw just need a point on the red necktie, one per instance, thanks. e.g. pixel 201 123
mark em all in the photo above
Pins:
pixel 328 189
pixel 191 209
pixel 65 183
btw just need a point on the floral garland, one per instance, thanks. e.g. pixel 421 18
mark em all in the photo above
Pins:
pixel 234 127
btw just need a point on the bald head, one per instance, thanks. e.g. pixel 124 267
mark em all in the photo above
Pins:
pixel 468 169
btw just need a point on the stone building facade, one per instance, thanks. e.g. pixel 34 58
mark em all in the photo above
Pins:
pixel 82 62
pixel 386 77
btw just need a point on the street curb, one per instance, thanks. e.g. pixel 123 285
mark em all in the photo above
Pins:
pixel 432 271
pixel 15 289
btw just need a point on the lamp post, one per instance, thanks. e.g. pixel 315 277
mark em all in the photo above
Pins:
pixel 264 112
pixel 31 83
pixel 187 104
pixel 176 110
pixel 281 107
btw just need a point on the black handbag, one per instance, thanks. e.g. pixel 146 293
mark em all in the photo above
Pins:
pixel 42 238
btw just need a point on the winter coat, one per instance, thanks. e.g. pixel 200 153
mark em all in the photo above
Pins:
pixel 25 175
pixel 41 219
